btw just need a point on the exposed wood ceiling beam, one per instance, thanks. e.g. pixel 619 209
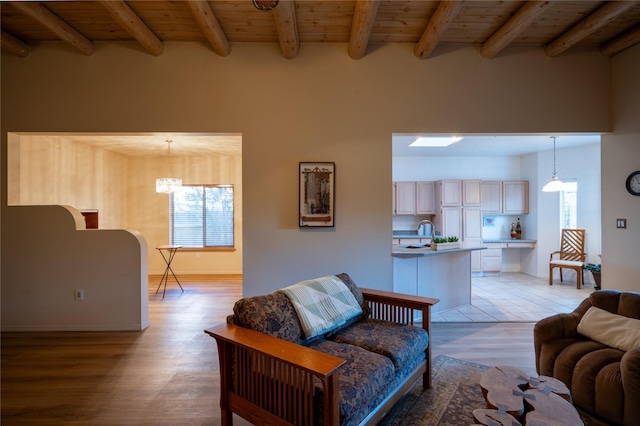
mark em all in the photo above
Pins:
pixel 361 27
pixel 284 15
pixel 57 26
pixel 14 45
pixel 524 17
pixel 588 25
pixel 621 42
pixel 442 17
pixel 132 23
pixel 209 25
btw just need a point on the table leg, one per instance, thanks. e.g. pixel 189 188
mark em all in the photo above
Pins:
pixel 165 276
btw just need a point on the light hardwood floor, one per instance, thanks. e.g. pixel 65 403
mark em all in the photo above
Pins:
pixel 168 373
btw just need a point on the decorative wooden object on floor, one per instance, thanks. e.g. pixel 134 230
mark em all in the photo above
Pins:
pixel 512 394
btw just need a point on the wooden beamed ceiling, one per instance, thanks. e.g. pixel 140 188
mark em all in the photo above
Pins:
pixel 555 26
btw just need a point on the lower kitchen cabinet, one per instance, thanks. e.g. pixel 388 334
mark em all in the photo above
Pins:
pixel 492 257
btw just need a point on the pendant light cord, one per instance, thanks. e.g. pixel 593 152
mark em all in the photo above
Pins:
pixel 169 146
pixel 554 155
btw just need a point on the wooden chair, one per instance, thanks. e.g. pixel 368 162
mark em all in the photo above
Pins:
pixel 571 253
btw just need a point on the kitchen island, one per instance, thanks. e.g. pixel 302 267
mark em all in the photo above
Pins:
pixel 443 274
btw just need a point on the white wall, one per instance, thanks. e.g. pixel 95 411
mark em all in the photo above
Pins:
pixel 320 106
pixel 621 156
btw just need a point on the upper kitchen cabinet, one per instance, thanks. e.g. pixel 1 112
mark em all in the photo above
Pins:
pixel 515 197
pixel 492 197
pixel 425 202
pixel 405 198
pixel 448 193
pixel 508 197
pixel 472 193
pixel 413 198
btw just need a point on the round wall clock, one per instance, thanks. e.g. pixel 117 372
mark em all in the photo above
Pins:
pixel 633 183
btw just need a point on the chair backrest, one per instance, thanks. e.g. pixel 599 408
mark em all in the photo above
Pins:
pixel 572 245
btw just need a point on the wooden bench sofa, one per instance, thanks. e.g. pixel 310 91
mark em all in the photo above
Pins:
pixel 270 373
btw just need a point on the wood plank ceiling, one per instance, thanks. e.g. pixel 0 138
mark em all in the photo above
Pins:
pixel 554 26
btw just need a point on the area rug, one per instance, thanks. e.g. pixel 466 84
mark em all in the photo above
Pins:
pixel 454 394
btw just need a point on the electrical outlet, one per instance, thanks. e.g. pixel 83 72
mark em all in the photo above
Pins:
pixel 78 294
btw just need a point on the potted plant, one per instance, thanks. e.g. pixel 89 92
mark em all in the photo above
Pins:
pixel 445 243
pixel 595 269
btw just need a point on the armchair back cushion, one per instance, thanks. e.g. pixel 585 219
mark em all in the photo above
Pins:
pixel 616 331
pixel 626 304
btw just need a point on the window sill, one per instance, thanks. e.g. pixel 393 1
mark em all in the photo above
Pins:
pixel 209 249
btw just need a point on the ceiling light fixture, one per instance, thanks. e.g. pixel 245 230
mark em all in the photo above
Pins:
pixel 435 141
pixel 555 184
pixel 168 184
pixel 265 5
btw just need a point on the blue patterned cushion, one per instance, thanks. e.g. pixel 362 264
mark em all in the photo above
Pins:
pixel 363 378
pixel 271 314
pixel 400 343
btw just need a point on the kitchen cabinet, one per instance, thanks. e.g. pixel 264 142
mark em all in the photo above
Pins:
pixel 472 234
pixel 515 197
pixel 405 198
pixel 492 197
pixel 472 223
pixel 448 193
pixel 413 198
pixel 448 222
pixel 472 193
pixel 492 257
pixel 505 197
pixel 425 202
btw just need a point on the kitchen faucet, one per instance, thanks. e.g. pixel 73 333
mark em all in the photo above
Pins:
pixel 433 228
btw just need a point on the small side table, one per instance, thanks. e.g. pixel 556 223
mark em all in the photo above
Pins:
pixel 168 258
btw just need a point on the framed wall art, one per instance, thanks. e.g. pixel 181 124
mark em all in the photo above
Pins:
pixel 316 194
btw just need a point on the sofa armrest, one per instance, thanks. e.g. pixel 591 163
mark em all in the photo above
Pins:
pixel 261 374
pixel 630 374
pixel 558 326
pixel 382 304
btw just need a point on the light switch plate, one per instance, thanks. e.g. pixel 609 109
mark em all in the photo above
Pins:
pixel 621 223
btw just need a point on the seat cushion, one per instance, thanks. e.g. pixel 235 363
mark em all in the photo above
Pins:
pixel 565 364
pixel 567 263
pixel 362 379
pixel 400 343
pixel 596 382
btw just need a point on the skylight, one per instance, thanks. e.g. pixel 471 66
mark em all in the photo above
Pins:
pixel 435 141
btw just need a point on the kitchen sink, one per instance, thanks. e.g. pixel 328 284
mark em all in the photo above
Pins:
pixel 415 246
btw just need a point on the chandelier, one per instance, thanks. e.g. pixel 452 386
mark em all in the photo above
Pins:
pixel 168 184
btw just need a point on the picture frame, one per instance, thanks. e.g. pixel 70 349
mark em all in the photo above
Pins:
pixel 489 221
pixel 316 194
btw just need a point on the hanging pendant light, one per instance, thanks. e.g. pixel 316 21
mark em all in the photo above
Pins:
pixel 168 184
pixel 555 184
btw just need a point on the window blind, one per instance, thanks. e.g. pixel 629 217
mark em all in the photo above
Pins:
pixel 202 216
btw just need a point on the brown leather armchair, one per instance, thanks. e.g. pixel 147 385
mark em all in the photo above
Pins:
pixel 604 381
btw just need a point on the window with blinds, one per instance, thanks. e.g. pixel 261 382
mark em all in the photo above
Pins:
pixel 569 205
pixel 202 216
